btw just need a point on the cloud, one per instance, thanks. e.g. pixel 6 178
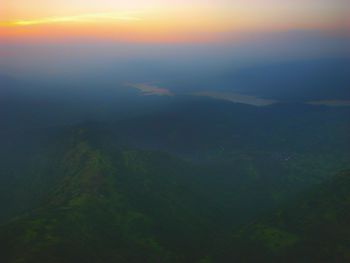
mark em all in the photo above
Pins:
pixel 97 17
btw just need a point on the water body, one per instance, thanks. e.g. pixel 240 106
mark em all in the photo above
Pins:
pixel 236 98
pixel 148 89
pixel 331 103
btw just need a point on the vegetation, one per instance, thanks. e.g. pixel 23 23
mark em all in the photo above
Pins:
pixel 235 190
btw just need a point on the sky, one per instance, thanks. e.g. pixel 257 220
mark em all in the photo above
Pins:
pixel 166 20
pixel 146 41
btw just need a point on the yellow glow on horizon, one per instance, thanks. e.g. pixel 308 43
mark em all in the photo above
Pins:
pixel 155 25
pixel 98 17
pixel 162 22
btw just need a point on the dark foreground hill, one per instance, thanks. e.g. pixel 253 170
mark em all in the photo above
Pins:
pixel 200 181
pixel 314 228
pixel 114 204
pixel 109 209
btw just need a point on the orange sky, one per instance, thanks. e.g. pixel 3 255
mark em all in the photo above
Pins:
pixel 167 20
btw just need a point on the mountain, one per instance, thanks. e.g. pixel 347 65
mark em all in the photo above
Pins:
pixel 318 79
pixel 314 228
pixel 105 210
pixel 115 204
pixel 295 80
pixel 205 125
pixel 200 181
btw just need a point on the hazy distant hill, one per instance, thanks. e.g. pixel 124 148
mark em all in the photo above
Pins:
pixel 319 79
pixel 214 129
pixel 286 81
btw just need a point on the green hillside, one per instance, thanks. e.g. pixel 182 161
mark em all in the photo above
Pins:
pixel 314 228
pixel 212 182
pixel 108 203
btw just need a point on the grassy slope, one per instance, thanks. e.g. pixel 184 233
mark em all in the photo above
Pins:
pixel 103 210
pixel 314 228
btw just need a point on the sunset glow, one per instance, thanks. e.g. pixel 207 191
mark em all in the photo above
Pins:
pixel 165 20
